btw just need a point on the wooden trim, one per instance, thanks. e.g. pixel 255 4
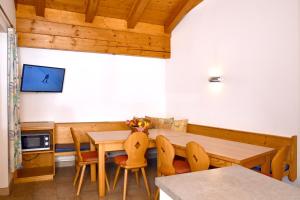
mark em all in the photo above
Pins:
pixel 91 10
pixel 178 14
pixel 136 12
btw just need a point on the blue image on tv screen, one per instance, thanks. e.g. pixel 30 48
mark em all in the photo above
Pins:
pixel 42 79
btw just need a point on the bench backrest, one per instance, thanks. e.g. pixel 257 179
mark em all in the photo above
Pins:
pixel 63 134
pixel 267 140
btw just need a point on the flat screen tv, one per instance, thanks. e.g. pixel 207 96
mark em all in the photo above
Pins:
pixel 42 79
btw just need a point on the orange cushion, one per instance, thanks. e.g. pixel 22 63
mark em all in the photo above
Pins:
pixel 181 166
pixel 90 156
pixel 120 160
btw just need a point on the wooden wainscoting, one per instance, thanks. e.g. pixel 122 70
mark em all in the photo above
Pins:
pixel 267 140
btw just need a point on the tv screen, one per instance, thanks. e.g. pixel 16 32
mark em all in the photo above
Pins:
pixel 42 79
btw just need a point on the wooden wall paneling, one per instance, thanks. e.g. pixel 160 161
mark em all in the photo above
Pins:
pixel 73 18
pixel 268 140
pixel 177 15
pixel 85 45
pixel 63 134
pixel 136 12
pixel 43 34
pixel 40 6
pixel 91 10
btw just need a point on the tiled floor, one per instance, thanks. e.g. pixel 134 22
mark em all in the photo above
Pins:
pixel 61 188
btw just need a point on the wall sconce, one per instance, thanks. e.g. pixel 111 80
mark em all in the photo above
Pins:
pixel 214 79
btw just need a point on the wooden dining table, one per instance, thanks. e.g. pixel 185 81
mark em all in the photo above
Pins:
pixel 221 152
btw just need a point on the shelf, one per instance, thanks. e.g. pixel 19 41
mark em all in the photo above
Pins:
pixel 34 174
pixel 37 152
pixel 37 126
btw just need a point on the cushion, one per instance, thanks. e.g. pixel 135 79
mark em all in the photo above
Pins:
pixel 180 125
pixel 120 160
pixel 160 123
pixel 90 156
pixel 258 168
pixel 71 147
pixel 181 166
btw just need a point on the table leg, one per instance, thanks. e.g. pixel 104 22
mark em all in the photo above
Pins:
pixel 93 166
pixel 265 168
pixel 101 170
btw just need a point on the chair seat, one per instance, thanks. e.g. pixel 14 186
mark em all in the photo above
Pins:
pixel 71 147
pixel 91 156
pixel 120 160
pixel 181 166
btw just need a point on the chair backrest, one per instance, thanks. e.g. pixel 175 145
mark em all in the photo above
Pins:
pixel 197 157
pixel 165 154
pixel 76 143
pixel 136 146
pixel 278 163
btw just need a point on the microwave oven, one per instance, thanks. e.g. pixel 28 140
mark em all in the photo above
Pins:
pixel 35 141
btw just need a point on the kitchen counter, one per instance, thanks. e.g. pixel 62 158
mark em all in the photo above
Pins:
pixel 234 183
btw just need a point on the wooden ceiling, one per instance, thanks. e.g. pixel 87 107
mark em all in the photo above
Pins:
pixel 162 15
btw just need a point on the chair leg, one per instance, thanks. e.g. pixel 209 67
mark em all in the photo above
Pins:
pixel 116 177
pixel 156 194
pixel 107 183
pixel 80 180
pixel 146 182
pixel 137 176
pixel 125 183
pixel 77 175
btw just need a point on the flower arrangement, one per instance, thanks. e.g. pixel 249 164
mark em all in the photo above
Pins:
pixel 139 124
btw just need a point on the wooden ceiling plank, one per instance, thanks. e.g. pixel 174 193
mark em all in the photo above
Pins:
pixel 179 13
pixel 136 12
pixel 40 7
pixel 91 10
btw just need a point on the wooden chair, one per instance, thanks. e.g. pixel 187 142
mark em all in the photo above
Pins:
pixel 83 159
pixel 135 146
pixel 197 157
pixel 279 162
pixel 166 165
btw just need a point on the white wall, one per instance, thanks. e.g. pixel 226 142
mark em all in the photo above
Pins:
pixel 9 8
pixel 255 45
pixel 4 169
pixel 97 87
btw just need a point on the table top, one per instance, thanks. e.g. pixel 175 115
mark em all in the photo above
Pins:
pixel 226 183
pixel 224 149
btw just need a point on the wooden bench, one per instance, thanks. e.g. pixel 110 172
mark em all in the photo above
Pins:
pixel 63 136
pixel 267 140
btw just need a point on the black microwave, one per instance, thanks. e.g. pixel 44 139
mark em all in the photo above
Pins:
pixel 35 141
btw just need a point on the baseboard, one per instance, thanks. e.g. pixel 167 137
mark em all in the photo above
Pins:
pixel 6 191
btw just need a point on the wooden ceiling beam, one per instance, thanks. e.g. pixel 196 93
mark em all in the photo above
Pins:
pixel 91 10
pixel 40 7
pixel 178 14
pixel 136 12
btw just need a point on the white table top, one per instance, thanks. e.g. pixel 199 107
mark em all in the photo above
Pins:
pixel 227 183
pixel 232 151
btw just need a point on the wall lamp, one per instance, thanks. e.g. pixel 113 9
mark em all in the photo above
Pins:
pixel 214 79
